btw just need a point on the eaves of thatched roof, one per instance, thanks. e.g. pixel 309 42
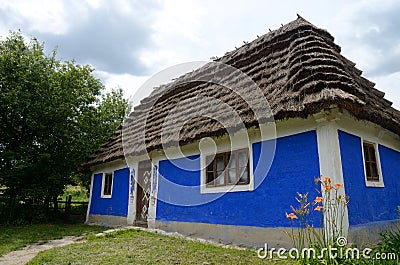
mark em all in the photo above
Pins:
pixel 298 68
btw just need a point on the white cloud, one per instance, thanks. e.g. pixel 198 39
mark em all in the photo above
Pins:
pixel 367 32
pixel 126 41
pixel 93 3
pixel 177 35
pixel 137 87
pixel 130 84
pixel 390 84
pixel 46 16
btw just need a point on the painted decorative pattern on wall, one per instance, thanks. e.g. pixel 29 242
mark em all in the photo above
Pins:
pixel 154 180
pixel 132 186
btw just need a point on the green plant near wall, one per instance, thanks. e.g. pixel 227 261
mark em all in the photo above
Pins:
pixel 331 203
pixel 390 241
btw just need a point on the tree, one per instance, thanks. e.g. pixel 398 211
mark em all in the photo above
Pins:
pixel 52 115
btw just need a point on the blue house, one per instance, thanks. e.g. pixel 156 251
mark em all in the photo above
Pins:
pixel 220 152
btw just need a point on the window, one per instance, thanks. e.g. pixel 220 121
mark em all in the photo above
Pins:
pixel 229 168
pixel 107 185
pixel 373 175
pixel 371 168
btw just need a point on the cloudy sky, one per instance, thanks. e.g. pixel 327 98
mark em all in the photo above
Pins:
pixel 129 41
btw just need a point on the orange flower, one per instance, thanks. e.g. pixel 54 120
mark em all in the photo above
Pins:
pixel 328 187
pixel 318 199
pixel 291 216
pixel 339 186
pixel 328 179
pixel 318 208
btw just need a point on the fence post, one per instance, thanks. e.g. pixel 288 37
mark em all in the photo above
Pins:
pixel 68 204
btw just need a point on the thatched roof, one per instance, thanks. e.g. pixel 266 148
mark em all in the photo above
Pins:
pixel 298 68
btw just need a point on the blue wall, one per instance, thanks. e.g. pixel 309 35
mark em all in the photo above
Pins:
pixel 369 204
pixel 117 205
pixel 293 170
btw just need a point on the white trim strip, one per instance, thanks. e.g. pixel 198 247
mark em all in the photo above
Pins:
pixel 90 199
pixel 330 163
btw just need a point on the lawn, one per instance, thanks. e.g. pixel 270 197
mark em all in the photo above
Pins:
pixel 141 247
pixel 16 237
pixel 78 193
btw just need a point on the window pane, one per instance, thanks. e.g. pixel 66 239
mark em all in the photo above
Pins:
pixel 243 175
pixel 232 161
pixel 374 173
pixel 368 168
pixel 209 161
pixel 366 156
pixel 210 178
pixel 210 167
pixel 220 163
pixel 371 169
pixel 372 153
pixel 220 179
pixel 232 175
pixel 107 184
pixel 242 159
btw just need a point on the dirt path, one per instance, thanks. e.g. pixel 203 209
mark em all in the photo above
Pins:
pixel 29 252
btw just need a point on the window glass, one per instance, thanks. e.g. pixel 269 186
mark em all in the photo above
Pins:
pixel 229 168
pixel 220 179
pixel 107 187
pixel 242 159
pixel 371 165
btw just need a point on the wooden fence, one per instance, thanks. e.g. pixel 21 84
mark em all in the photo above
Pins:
pixel 73 210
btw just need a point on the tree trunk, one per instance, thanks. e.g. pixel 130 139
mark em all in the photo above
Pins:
pixel 46 207
pixel 55 203
pixel 11 204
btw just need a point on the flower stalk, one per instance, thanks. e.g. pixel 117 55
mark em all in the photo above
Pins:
pixel 330 203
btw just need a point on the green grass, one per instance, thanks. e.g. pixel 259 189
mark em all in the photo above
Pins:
pixel 78 193
pixel 16 237
pixel 140 247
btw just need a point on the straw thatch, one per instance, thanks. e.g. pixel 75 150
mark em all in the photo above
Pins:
pixel 298 68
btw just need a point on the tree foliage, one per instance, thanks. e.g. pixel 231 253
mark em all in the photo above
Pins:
pixel 52 115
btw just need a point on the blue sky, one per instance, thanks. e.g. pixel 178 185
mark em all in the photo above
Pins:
pixel 129 41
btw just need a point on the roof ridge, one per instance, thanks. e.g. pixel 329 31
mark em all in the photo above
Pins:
pixel 299 21
pixel 231 55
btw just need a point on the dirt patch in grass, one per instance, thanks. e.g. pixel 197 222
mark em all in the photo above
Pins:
pixel 16 237
pixel 29 252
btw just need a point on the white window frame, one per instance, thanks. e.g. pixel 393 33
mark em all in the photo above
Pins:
pixel 103 180
pixel 204 189
pixel 368 183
